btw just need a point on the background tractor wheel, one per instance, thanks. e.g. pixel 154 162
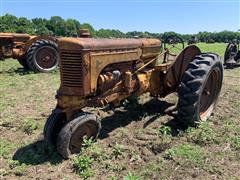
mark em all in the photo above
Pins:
pixel 70 138
pixel 53 126
pixel 199 90
pixel 230 52
pixel 42 56
pixel 23 62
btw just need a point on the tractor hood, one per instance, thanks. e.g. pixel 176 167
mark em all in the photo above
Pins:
pixel 16 37
pixel 104 44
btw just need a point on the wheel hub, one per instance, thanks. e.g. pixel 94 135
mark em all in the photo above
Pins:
pixel 87 130
pixel 46 57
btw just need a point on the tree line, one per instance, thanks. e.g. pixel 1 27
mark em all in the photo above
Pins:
pixel 58 26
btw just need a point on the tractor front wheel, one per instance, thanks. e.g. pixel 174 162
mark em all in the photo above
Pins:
pixel 199 90
pixel 53 126
pixel 43 56
pixel 71 137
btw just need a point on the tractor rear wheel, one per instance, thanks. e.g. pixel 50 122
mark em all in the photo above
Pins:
pixel 53 126
pixel 199 90
pixel 43 56
pixel 70 139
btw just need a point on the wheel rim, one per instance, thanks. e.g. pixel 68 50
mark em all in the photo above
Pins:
pixel 46 57
pixel 88 130
pixel 210 93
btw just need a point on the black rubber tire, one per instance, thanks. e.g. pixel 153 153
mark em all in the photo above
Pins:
pixel 53 126
pixel 231 48
pixel 193 84
pixel 31 55
pixel 23 62
pixel 65 135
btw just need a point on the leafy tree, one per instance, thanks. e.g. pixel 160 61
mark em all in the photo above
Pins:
pixel 71 28
pixel 24 26
pixel 8 23
pixel 57 25
pixel 40 26
pixel 109 33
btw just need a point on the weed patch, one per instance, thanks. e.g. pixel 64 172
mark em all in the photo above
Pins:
pixel 202 135
pixel 118 150
pixel 29 126
pixel 131 176
pixel 235 142
pixel 187 155
pixel 82 164
pixel 6 148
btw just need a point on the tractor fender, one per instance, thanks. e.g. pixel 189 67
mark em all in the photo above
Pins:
pixel 174 74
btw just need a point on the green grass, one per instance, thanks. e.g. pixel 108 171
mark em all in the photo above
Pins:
pixel 6 148
pixel 203 135
pixel 82 164
pixel 118 150
pixel 29 126
pixel 187 155
pixel 131 176
pixel 218 48
pixel 165 131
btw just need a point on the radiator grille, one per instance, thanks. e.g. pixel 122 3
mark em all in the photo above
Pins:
pixel 71 69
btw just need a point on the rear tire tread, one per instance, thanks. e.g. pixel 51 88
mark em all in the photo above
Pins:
pixel 191 85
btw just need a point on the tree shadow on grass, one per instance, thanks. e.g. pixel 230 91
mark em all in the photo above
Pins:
pixel 36 153
pixel 154 108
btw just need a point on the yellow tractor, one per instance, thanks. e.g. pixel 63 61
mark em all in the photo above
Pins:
pixel 37 53
pixel 96 72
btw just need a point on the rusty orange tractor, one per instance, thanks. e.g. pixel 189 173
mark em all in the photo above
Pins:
pixel 37 53
pixel 96 72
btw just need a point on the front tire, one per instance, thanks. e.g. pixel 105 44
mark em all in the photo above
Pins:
pixel 199 90
pixel 43 56
pixel 53 126
pixel 70 138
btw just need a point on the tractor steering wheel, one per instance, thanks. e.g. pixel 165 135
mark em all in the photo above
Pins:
pixel 173 45
pixel 173 41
